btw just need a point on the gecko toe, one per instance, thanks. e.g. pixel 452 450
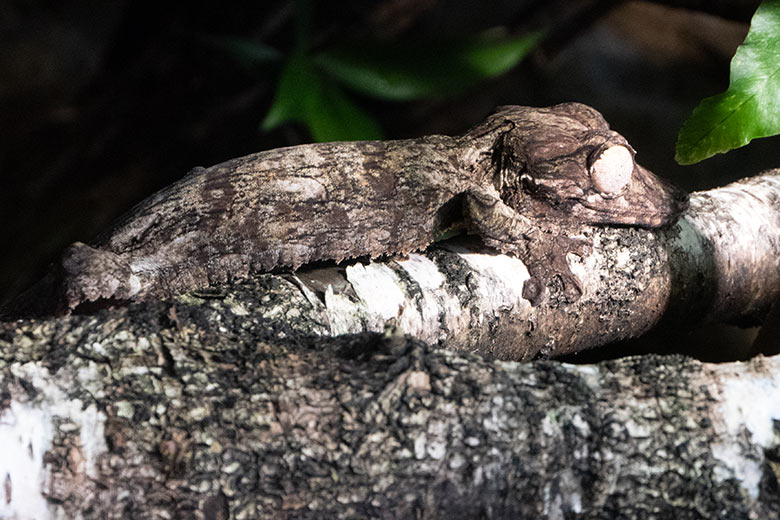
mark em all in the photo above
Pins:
pixel 549 269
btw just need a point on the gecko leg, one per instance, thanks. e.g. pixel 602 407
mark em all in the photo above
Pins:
pixel 548 262
pixel 542 247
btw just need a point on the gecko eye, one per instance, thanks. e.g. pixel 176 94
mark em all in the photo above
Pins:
pixel 611 169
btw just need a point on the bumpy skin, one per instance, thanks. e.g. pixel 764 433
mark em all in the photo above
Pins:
pixel 519 180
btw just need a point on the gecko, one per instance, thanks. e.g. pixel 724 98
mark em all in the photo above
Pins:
pixel 521 180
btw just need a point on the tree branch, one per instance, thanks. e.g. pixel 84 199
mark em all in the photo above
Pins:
pixel 217 417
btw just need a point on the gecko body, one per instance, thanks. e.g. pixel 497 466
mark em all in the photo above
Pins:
pixel 518 180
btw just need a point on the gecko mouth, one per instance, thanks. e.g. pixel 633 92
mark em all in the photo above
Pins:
pixel 662 200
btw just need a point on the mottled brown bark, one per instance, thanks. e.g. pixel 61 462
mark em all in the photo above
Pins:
pixel 230 403
pixel 466 296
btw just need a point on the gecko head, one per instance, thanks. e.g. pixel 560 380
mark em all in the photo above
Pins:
pixel 565 162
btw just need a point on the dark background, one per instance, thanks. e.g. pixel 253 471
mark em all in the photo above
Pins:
pixel 104 102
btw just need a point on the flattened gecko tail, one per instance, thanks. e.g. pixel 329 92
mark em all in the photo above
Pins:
pixel 83 276
pixel 90 274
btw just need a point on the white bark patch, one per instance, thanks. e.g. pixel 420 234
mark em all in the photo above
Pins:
pixel 433 311
pixel 500 281
pixel 423 271
pixel 340 311
pixel 380 299
pixel 434 304
pixel 741 224
pixel 378 287
pixel 749 404
pixel 26 433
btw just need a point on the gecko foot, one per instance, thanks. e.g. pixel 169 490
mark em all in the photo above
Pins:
pixel 541 245
pixel 547 263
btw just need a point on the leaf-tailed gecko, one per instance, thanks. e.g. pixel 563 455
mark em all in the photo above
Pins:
pixel 519 180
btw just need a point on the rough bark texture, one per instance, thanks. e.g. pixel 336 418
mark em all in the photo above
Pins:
pixel 205 414
pixel 725 252
pixel 719 263
pixel 519 180
pixel 472 299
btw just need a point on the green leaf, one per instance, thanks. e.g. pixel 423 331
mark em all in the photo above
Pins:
pixel 750 108
pixel 492 55
pixel 424 70
pixel 333 117
pixel 303 95
pixel 292 88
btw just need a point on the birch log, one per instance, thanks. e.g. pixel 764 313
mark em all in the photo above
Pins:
pixel 719 263
pixel 213 416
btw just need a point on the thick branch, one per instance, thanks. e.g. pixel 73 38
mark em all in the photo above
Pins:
pixel 718 263
pixel 213 416
pixel 725 252
pixel 225 403
pixel 229 401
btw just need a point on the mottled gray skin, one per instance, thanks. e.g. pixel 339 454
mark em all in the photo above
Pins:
pixel 519 180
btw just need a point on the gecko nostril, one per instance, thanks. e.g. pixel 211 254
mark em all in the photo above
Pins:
pixel 611 169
